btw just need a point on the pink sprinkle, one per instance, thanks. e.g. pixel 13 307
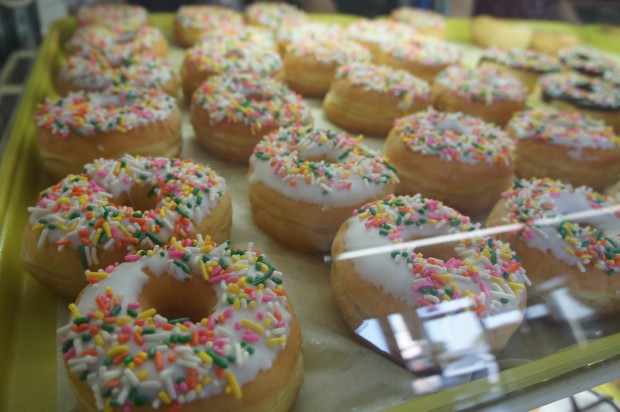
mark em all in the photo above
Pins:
pixel 229 312
pixel 260 315
pixel 182 387
pixel 211 322
pixel 133 305
pixel 101 173
pixel 132 258
pixel 237 326
pixel 215 271
pixel 421 285
pixel 70 354
pixel 485 289
pixel 280 323
pixel 220 341
pixel 126 329
pixel 216 279
pixel 250 337
pixel 456 294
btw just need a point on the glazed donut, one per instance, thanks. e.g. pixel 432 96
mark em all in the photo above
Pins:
pixel 219 56
pixel 551 42
pixel 194 21
pixel 312 30
pixel 457 159
pixel 481 92
pixel 89 221
pixel 421 56
pixel 567 146
pixel 84 126
pixel 122 19
pixel 95 40
pixel 555 246
pixel 367 98
pixel 487 31
pixel 96 74
pixel 309 65
pixel 305 182
pixel 480 272
pixel 425 22
pixel 231 113
pixel 586 61
pixel 191 325
pixel 372 33
pixel 525 65
pixel 590 96
pixel 272 15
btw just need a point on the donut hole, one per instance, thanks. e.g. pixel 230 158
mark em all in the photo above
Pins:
pixel 585 86
pixel 139 198
pixel 258 97
pixel 190 298
pixel 318 156
pixel 451 124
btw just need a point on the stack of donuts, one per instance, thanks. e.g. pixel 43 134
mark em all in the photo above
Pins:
pixel 371 142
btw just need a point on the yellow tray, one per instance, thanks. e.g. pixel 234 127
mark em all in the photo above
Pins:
pixel 28 312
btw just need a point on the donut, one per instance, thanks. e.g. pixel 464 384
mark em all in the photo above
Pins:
pixel 95 40
pixel 381 265
pixel 309 65
pixel 372 33
pixel 231 113
pixel 91 220
pixel 193 22
pixel 452 157
pixel 218 56
pixel 271 15
pixel 97 74
pixel 191 325
pixel 256 36
pixel 552 41
pixel 480 92
pixel 590 96
pixel 487 31
pixel 312 30
pixel 122 19
pixel 367 98
pixel 83 126
pixel 425 22
pixel 565 145
pixel 525 65
pixel 586 61
pixel 567 235
pixel 304 183
pixel 422 56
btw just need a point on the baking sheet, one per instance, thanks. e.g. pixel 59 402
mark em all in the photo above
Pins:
pixel 340 372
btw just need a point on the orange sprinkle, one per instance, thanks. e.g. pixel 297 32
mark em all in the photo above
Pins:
pixel 119 358
pixel 172 357
pixel 138 338
pixel 159 361
pixel 123 338
pixel 63 242
pixel 175 407
pixel 292 182
pixel 480 309
pixel 89 352
pixel 113 383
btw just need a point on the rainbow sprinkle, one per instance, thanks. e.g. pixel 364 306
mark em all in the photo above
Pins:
pixel 419 19
pixel 587 61
pixel 529 60
pixel 329 51
pixel 423 50
pixel 132 356
pixel 207 16
pixel 123 19
pixel 582 91
pixel 274 15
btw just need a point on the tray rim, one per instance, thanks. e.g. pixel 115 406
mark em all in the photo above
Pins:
pixel 14 168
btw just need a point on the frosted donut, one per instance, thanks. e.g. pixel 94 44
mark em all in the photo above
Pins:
pixel 84 126
pixel 194 21
pixel 219 56
pixel 457 159
pixel 89 221
pixel 585 60
pixel 566 146
pixel 421 56
pixel 481 273
pixel 312 30
pixel 581 252
pixel 192 325
pixel 254 35
pixel 309 65
pixel 273 15
pixel 123 19
pixel 95 40
pixel 487 31
pixel 305 182
pixel 372 33
pixel 525 65
pixel 96 74
pixel 231 113
pixel 593 97
pixel 481 92
pixel 367 98
pixel 425 22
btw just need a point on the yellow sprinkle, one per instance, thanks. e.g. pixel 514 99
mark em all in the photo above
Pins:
pixel 252 304
pixel 123 320
pixel 206 380
pixel 99 340
pixel 276 341
pixel 118 349
pixel 517 286
pixel 267 322
pixel 164 397
pixel 203 269
pixel 497 279
pixel 236 304
pixel 98 314
pixel 233 288
pixel 99 274
pixel 205 357
pixel 147 313
pixel 106 228
pixel 486 254
pixel 182 327
pixel 124 230
pixel 74 310
pixel 586 256
pixel 97 236
pixel 64 201
pixel 132 365
pixel 142 375
pixel 142 355
pixel 40 226
pixel 252 325
pixel 234 385
pixel 569 250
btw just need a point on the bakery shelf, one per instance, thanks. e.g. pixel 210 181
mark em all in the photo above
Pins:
pixel 341 374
